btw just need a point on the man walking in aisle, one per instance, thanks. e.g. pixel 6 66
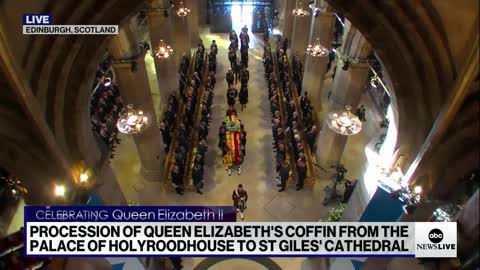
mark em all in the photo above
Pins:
pixel 240 197
pixel 230 77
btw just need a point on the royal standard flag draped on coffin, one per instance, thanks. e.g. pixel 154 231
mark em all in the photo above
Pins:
pixel 233 156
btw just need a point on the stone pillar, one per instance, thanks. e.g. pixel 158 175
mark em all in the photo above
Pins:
pixel 288 19
pixel 315 68
pixel 161 27
pixel 107 188
pixel 135 89
pixel 194 20
pixel 300 34
pixel 348 87
pixel 182 31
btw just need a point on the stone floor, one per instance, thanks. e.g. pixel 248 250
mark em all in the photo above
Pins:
pixel 265 203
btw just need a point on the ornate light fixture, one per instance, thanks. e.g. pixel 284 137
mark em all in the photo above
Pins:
pixel 83 177
pixel 14 186
pixel 106 81
pixel 59 190
pixel 374 82
pixel 132 122
pixel 182 11
pixel 299 11
pixel 344 122
pixel 446 213
pixel 163 51
pixel 317 50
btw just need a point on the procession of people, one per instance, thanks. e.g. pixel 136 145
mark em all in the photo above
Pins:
pixel 184 132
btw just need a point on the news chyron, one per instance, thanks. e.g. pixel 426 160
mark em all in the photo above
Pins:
pixel 42 24
pixel 200 231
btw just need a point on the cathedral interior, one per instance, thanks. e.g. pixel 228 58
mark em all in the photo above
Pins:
pixel 353 97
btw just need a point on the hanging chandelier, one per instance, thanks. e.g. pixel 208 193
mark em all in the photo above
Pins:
pixel 317 50
pixel 374 82
pixel 299 11
pixel 344 122
pixel 14 186
pixel 132 122
pixel 106 81
pixel 163 51
pixel 446 213
pixel 182 11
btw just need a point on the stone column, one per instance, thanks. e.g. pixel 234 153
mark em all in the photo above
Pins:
pixel 135 89
pixel 182 35
pixel 107 187
pixel 348 87
pixel 301 33
pixel 288 19
pixel 161 27
pixel 194 20
pixel 315 68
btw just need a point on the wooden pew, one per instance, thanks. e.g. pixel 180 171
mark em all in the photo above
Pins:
pixel 169 161
pixel 311 172
pixel 292 179
pixel 194 137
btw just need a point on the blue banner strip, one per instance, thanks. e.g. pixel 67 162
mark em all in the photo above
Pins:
pixel 130 214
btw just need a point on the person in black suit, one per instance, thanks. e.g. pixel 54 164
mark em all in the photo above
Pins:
pixel 285 44
pixel 240 197
pixel 302 174
pixel 230 77
pixel 232 94
pixel 244 76
pixel 284 173
pixel 197 177
pixel 177 179
pixel 214 47
pixel 232 57
pixel 243 97
pixel 203 130
pixel 202 147
pixel 237 71
pixel 311 136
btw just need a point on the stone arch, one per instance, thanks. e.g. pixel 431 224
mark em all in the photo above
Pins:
pixel 414 51
pixel 71 109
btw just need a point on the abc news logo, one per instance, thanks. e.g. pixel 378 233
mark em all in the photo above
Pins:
pixel 436 236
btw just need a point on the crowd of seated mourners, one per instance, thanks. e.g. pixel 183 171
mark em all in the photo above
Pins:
pixel 182 74
pixel 279 136
pixel 292 114
pixel 309 127
pixel 12 257
pixel 297 73
pixel 167 126
pixel 190 94
pixel 205 117
pixel 106 105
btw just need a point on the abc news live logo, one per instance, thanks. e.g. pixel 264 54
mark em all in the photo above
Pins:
pixel 436 239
